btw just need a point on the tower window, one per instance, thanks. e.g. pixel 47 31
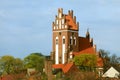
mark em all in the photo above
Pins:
pixel 74 41
pixel 70 41
pixel 72 33
pixel 59 33
pixel 56 41
pixel 63 41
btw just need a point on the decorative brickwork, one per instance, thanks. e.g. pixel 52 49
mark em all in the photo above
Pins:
pixel 66 43
pixel 66 37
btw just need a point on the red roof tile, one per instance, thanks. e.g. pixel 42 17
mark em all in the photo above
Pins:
pixel 89 50
pixel 99 62
pixel 58 66
pixel 67 67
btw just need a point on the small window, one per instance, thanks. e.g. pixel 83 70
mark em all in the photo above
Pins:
pixel 70 41
pixel 63 41
pixel 56 41
pixel 74 41
pixel 72 33
pixel 59 33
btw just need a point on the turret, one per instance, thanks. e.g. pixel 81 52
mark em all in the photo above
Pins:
pixel 88 34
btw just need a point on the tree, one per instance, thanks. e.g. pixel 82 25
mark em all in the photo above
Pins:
pixel 34 60
pixel 115 61
pixel 9 64
pixel 18 65
pixel 86 61
pixel 108 60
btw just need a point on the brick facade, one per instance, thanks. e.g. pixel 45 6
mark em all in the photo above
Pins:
pixel 65 25
pixel 66 43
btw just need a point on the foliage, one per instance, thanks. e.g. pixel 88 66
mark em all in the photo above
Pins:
pixel 9 64
pixel 108 60
pixel 114 60
pixel 85 61
pixel 34 60
pixel 44 76
pixel 81 76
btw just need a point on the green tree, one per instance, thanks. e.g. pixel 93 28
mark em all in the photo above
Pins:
pixel 9 64
pixel 18 65
pixel 85 61
pixel 34 60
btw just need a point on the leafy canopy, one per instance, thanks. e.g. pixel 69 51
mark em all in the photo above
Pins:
pixel 86 60
pixel 34 60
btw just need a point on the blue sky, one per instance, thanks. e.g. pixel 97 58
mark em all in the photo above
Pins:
pixel 26 25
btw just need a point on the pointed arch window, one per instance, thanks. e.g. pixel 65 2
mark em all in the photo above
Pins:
pixel 74 41
pixel 70 40
pixel 56 41
pixel 63 40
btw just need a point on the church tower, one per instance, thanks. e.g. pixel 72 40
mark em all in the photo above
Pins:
pixel 64 36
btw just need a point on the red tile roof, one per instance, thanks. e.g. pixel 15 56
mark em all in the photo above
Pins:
pixel 58 66
pixel 89 50
pixel 65 67
pixel 99 62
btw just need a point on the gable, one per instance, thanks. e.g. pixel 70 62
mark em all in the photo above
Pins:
pixel 112 72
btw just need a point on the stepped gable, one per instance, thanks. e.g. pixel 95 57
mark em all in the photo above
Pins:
pixel 69 20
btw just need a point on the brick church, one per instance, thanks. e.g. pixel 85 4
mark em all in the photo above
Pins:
pixel 66 42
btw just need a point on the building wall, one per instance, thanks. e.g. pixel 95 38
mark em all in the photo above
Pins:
pixel 65 26
pixel 62 30
pixel 48 69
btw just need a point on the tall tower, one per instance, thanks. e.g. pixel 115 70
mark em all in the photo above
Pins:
pixel 64 36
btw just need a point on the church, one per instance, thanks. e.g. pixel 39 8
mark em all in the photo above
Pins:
pixel 66 42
